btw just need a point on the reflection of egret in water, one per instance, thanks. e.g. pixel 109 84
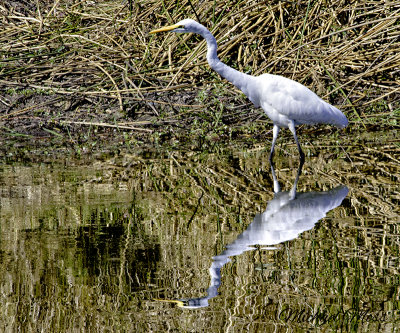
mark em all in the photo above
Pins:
pixel 287 215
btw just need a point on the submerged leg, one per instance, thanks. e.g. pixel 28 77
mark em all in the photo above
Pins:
pixel 275 133
pixel 292 193
pixel 293 130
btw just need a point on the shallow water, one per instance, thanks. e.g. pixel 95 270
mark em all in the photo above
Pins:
pixel 194 242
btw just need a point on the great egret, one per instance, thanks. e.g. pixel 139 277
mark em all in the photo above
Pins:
pixel 286 102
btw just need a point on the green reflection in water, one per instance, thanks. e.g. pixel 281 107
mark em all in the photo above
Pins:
pixel 98 246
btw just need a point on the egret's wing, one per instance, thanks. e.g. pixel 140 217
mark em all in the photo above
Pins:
pixel 297 102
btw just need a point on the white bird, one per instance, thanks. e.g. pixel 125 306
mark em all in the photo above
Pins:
pixel 286 102
pixel 287 215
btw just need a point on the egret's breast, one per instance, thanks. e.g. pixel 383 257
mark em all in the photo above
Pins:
pixel 276 117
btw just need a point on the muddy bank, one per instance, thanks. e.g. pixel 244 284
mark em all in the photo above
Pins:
pixel 50 126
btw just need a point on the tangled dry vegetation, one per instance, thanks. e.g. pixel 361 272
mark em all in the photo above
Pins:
pixel 70 65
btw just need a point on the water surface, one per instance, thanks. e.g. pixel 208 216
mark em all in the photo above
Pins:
pixel 188 241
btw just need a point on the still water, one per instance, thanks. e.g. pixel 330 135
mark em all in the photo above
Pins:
pixel 194 242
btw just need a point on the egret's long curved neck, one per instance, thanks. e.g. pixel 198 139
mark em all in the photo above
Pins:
pixel 239 79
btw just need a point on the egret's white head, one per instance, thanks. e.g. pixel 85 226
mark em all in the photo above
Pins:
pixel 187 25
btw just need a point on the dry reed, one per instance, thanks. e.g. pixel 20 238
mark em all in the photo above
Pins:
pixel 100 56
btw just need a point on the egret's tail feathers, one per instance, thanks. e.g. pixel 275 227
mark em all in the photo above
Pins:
pixel 336 117
pixel 341 120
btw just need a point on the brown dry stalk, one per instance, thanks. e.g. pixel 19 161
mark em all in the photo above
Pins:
pixel 105 51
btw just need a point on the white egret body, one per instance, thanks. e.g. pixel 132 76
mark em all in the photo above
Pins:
pixel 286 102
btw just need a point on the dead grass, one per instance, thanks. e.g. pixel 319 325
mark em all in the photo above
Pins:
pixel 99 58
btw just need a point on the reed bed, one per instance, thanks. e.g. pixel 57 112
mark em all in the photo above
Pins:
pixel 68 64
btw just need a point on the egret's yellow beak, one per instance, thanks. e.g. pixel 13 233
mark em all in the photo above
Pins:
pixel 168 28
pixel 180 303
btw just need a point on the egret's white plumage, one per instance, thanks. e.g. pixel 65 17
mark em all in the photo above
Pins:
pixel 286 102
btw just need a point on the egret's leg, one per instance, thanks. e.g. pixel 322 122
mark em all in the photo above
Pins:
pixel 292 193
pixel 293 130
pixel 275 133
pixel 277 187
